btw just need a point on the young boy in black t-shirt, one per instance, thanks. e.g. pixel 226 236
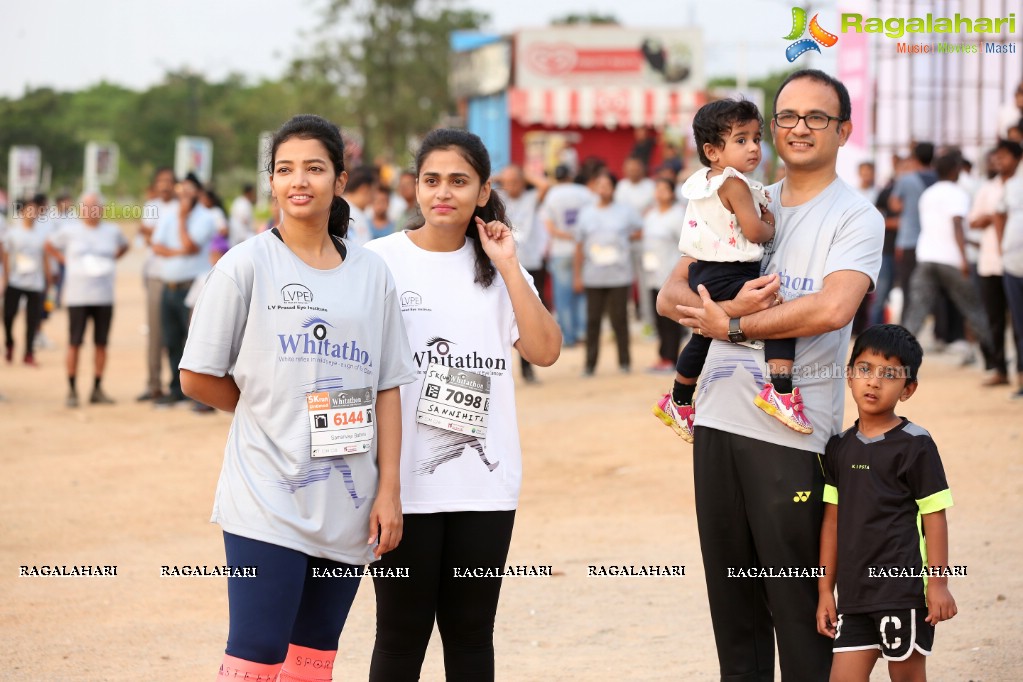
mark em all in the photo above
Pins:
pixel 884 525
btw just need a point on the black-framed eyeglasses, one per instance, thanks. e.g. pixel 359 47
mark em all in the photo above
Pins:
pixel 813 121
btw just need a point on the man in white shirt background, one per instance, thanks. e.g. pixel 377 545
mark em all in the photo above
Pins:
pixel 359 191
pixel 241 224
pixel 635 189
pixel 941 260
pixel 181 242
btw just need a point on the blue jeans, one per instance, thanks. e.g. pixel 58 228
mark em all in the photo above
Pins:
pixel 569 307
pixel 885 280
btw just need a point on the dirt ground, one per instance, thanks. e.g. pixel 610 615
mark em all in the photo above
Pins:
pixel 605 483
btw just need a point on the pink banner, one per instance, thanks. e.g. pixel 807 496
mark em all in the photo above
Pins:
pixel 854 71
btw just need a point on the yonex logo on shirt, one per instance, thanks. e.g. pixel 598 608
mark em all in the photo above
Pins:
pixel 801 496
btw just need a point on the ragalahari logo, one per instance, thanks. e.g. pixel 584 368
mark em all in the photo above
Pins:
pixel 817 35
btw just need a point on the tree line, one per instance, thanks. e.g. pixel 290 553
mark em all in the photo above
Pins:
pixel 378 68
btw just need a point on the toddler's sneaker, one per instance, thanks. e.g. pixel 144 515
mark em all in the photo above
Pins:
pixel 785 407
pixel 678 417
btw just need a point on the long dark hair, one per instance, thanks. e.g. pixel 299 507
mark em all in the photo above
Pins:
pixel 470 147
pixel 312 127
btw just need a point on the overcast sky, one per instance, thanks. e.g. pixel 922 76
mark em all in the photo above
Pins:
pixel 70 44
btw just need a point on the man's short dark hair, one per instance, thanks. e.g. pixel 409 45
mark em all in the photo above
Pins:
pixel 891 341
pixel 924 153
pixel 363 175
pixel 844 103
pixel 562 173
pixel 1013 148
pixel 163 169
pixel 194 179
pixel 248 187
pixel 949 164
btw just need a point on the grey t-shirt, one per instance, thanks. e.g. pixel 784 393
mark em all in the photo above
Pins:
pixel 90 254
pixel 289 331
pixel 908 188
pixel 24 249
pixel 604 234
pixel 561 206
pixel 1012 240
pixel 836 230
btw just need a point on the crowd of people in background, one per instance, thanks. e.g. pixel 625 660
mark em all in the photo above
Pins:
pixel 596 240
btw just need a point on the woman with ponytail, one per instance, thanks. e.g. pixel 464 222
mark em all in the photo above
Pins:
pixel 466 303
pixel 298 333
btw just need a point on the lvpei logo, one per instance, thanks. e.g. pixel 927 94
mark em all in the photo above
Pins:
pixel 802 45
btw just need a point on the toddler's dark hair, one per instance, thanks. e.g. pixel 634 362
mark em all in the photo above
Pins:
pixel 715 120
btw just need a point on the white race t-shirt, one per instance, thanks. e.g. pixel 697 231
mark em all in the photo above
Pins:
pixel 836 230
pixel 283 330
pixel 939 204
pixel 90 255
pixel 359 227
pixel 639 195
pixel 986 202
pixel 531 238
pixel 152 212
pixel 241 225
pixel 661 232
pixel 605 232
pixel 452 321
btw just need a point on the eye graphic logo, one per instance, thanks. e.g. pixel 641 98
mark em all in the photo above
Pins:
pixel 442 346
pixel 817 35
pixel 319 326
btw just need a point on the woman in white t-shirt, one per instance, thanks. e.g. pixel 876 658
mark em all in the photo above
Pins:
pixel 662 228
pixel 466 302
pixel 297 331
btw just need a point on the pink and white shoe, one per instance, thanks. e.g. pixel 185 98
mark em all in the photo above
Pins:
pixel 785 407
pixel 678 417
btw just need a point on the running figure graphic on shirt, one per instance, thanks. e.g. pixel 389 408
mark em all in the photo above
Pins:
pixel 448 445
pixel 314 471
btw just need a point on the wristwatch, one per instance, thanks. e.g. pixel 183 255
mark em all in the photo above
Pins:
pixel 735 334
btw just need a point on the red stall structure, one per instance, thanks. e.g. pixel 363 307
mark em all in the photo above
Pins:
pixel 595 90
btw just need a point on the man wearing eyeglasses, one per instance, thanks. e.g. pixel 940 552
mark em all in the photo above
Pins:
pixel 758 485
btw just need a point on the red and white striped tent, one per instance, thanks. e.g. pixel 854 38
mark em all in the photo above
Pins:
pixel 595 107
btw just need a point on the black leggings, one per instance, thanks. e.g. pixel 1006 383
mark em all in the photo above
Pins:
pixel 614 301
pixel 33 314
pixel 433 547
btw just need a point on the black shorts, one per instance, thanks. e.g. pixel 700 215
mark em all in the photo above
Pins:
pixel 895 633
pixel 102 316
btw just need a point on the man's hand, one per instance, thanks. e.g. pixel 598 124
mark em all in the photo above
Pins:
pixel 711 320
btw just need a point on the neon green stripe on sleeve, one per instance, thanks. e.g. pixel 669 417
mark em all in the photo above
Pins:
pixel 830 494
pixel 936 502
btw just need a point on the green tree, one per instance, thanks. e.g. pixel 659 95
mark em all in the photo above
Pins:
pixel 392 71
